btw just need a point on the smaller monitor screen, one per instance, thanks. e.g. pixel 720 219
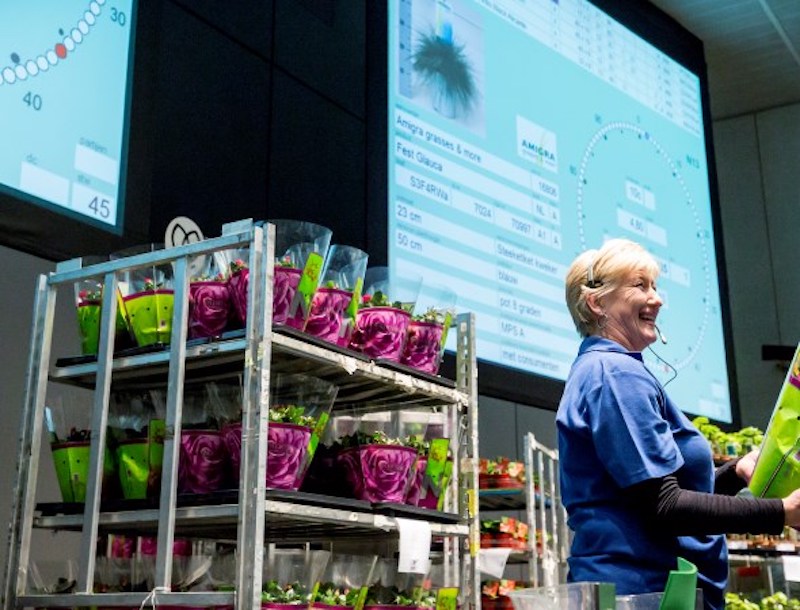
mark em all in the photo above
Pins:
pixel 64 93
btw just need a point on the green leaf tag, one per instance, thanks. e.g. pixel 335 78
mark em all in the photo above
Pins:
pixel 352 307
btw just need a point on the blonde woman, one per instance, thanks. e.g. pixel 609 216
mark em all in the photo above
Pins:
pixel 637 478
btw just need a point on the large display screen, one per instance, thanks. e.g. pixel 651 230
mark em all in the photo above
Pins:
pixel 522 132
pixel 64 93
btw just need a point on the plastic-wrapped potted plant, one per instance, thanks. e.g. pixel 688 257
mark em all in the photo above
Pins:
pixel 287 278
pixel 429 483
pixel 71 461
pixel 148 298
pixel 382 322
pixel 288 596
pixel 329 596
pixel 427 331
pixel 88 306
pixel 70 444
pixel 424 343
pixel 377 468
pixel 88 302
pixel 501 473
pixel 289 576
pixel 381 326
pixel 299 407
pixel 150 312
pixel 341 583
pixel 290 430
pixel 494 593
pixel 136 432
pixel 342 275
pixel 203 464
pixel 238 282
pixel 504 532
pixel 297 245
pixel 381 597
pixel 209 298
pixel 295 241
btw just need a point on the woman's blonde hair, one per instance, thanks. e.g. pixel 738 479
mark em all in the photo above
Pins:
pixel 601 271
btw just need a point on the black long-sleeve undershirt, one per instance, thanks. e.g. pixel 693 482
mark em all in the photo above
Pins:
pixel 681 512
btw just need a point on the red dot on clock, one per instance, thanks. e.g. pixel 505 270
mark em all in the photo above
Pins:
pixel 61 50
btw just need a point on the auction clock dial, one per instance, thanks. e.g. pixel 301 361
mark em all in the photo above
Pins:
pixel 654 207
pixel 64 93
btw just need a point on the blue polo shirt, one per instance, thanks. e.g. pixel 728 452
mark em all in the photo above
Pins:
pixel 617 427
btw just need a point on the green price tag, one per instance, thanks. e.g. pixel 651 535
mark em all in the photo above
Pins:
pixel 447 598
pixel 437 458
pixel 448 472
pixel 437 470
pixel 352 307
pixel 448 320
pixel 310 279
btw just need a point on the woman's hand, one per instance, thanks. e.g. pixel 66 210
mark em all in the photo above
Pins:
pixel 746 465
pixel 791 509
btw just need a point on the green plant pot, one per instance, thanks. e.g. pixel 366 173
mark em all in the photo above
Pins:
pixel 89 326
pixel 150 316
pixel 71 461
pixel 89 312
pixel 139 463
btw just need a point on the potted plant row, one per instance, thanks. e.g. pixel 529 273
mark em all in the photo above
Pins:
pixel 494 593
pixel 335 311
pixel 500 473
pixel 328 596
pixel 506 532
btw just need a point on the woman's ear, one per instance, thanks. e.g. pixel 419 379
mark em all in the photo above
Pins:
pixel 593 302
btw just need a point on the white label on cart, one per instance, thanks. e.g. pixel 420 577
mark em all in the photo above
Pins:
pixel 415 546
pixel 791 568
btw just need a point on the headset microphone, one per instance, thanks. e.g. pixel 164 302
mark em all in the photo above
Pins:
pixel 660 334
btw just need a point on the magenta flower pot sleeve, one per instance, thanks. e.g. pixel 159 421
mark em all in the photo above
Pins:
pixel 203 462
pixel 378 473
pixel 209 309
pixel 423 349
pixel 380 332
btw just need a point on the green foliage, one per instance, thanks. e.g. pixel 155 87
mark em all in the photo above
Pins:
pixel 379 595
pixel 379 437
pixel 433 315
pixel 776 601
pixel 291 414
pixel 328 593
pixel 381 299
pixel 418 442
pixel 291 593
pixel 741 441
